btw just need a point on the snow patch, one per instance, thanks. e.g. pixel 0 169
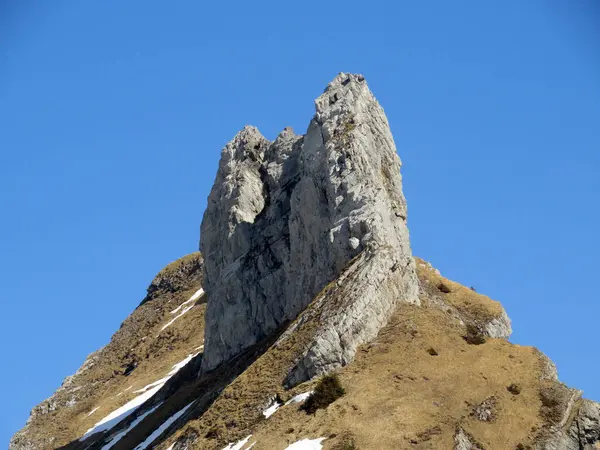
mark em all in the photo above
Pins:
pixel 176 368
pixel 307 444
pixel 121 393
pixel 177 317
pixel 184 307
pixel 240 444
pixel 276 405
pixel 119 414
pixel 118 437
pixel 160 382
pixel 180 365
pixel 299 398
pixel 271 409
pixel 193 298
pixel 160 430
pixel 146 393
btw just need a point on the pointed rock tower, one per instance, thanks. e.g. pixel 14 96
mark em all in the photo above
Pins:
pixel 285 218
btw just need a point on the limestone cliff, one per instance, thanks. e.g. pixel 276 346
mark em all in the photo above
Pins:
pixel 285 218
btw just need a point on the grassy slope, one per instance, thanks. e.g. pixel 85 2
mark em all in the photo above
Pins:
pixel 139 339
pixel 398 395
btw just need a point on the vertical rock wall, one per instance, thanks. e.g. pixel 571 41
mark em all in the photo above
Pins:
pixel 284 218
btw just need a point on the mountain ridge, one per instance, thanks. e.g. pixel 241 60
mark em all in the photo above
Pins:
pixel 306 270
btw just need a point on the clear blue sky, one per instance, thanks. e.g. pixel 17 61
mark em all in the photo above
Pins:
pixel 113 114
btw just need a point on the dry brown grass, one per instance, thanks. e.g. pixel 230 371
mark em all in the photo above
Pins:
pixel 183 338
pixel 398 393
pixel 176 266
pixel 138 340
pixel 412 387
pixel 327 390
pixel 469 303
pixel 397 396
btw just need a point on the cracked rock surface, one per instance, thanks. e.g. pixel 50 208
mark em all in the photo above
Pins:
pixel 284 218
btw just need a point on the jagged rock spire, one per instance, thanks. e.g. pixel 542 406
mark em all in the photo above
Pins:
pixel 285 218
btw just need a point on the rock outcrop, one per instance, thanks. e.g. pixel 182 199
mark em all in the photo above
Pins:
pixel 487 319
pixel 285 218
pixel 579 430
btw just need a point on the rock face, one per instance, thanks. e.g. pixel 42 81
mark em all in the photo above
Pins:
pixel 462 441
pixel 285 218
pixel 583 433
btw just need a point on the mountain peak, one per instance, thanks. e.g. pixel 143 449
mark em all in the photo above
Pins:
pixel 294 223
pixel 307 303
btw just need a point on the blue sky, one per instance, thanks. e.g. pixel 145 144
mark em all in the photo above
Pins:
pixel 113 114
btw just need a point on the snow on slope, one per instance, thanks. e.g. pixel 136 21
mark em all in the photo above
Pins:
pixel 118 437
pixel 307 444
pixel 271 409
pixel 121 393
pixel 240 444
pixel 185 307
pixel 299 398
pixel 176 368
pixel 119 414
pixel 146 393
pixel 194 297
pixel 160 430
pixel 276 405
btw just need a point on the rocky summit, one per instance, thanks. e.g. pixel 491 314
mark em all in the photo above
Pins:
pixel 285 218
pixel 305 322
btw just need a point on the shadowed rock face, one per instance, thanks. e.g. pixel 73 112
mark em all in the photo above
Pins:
pixel 284 218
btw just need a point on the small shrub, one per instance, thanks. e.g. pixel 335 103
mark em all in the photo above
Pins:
pixel 213 433
pixel 474 335
pixel 347 443
pixel 443 288
pixel 327 391
pixel 349 126
pixel 548 399
pixel 514 389
pixel 128 368
pixel 554 399
pixel 432 351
